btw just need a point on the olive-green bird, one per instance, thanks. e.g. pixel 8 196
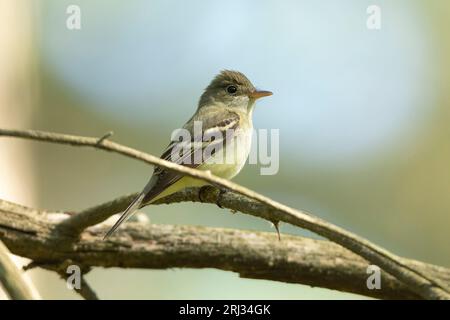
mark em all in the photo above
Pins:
pixel 225 113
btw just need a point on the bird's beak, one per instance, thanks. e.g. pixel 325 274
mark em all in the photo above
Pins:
pixel 259 94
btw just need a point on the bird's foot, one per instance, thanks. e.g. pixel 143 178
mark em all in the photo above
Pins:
pixel 204 191
pixel 201 193
pixel 222 191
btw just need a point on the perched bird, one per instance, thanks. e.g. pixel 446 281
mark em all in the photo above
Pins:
pixel 224 113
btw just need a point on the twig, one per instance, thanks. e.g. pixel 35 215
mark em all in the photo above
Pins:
pixel 414 279
pixel 11 277
pixel 104 137
pixel 60 267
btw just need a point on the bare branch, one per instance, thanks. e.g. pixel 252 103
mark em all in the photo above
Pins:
pixel 417 280
pixel 60 268
pixel 105 136
pixel 11 277
pixel 256 255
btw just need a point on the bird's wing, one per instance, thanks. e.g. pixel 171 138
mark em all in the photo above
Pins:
pixel 215 124
pixel 216 129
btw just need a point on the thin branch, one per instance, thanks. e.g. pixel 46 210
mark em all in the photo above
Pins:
pixel 60 268
pixel 11 277
pixel 86 290
pixel 257 255
pixel 415 279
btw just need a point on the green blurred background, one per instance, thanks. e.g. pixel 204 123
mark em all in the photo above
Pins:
pixel 363 117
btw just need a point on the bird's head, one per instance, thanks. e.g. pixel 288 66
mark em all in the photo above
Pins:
pixel 233 89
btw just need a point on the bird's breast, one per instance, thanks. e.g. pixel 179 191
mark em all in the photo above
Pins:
pixel 230 160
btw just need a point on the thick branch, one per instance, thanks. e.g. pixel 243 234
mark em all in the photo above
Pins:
pixel 11 278
pixel 256 255
pixel 417 280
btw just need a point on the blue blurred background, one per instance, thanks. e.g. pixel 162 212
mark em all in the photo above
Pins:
pixel 363 118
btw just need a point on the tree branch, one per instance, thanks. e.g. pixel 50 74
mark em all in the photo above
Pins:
pixel 11 278
pixel 60 268
pixel 86 290
pixel 257 255
pixel 416 279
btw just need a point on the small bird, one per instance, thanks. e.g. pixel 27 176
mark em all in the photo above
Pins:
pixel 224 113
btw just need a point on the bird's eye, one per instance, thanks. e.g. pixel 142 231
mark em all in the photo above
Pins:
pixel 231 89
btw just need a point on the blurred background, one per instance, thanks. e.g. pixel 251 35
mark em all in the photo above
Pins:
pixel 363 116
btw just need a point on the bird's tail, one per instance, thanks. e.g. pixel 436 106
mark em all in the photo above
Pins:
pixel 135 205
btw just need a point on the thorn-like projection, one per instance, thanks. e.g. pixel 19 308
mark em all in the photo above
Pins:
pixel 276 224
pixel 104 137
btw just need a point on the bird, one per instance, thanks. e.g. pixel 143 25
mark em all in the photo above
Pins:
pixel 224 117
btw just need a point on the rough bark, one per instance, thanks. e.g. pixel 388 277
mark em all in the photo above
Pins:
pixel 258 255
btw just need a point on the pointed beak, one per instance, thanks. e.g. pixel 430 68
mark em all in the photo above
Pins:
pixel 259 94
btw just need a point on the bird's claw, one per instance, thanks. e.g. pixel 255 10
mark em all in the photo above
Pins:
pixel 219 197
